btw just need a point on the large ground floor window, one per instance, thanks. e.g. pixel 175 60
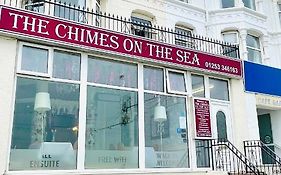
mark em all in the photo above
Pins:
pixel 86 112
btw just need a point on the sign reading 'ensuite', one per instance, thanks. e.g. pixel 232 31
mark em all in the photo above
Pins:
pixel 25 23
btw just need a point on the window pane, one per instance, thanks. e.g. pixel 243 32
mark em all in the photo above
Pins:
pixel 221 125
pixel 254 55
pixel 198 88
pixel 253 41
pixel 166 137
pixel 227 3
pixel 250 4
pixel 230 37
pixel 34 5
pixel 45 125
pixel 34 59
pixel 183 37
pixel 66 65
pixel 111 129
pixel 203 153
pixel 112 73
pixel 218 89
pixel 177 82
pixel 141 27
pixel 153 79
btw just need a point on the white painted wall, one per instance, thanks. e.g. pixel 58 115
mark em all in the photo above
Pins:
pixel 8 48
pixel 276 129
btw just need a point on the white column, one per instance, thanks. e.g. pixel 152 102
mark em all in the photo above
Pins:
pixel 243 44
pixel 259 6
pixel 266 57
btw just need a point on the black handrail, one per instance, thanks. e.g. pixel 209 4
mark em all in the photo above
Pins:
pixel 226 157
pixel 262 156
pixel 126 25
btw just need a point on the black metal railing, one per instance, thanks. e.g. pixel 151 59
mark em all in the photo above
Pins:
pixel 226 157
pixel 126 25
pixel 263 156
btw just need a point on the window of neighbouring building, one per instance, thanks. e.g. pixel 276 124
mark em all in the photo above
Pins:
pixel 230 37
pixel 251 4
pixel 227 3
pixel 183 37
pixel 254 48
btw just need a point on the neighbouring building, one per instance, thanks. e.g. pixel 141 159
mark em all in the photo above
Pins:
pixel 140 87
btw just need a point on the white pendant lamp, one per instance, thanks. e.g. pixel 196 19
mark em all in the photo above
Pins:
pixel 160 113
pixel 42 102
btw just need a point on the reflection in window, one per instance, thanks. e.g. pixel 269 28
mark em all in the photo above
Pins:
pixel 111 129
pixel 218 89
pixel 112 73
pixel 183 37
pixel 176 81
pixel 253 48
pixel 65 9
pixel 198 87
pixel 45 123
pixel 153 79
pixel 227 3
pixel 250 4
pixel 34 59
pixel 166 136
pixel 66 65
pixel 221 125
pixel 141 27
pixel 203 153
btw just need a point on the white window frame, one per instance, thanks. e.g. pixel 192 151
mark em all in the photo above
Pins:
pixel 255 49
pixel 235 43
pixel 204 85
pixel 169 90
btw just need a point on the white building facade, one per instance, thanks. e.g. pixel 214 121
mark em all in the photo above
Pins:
pixel 138 89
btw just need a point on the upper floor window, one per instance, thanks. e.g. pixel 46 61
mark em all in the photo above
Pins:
pixel 34 5
pixel 230 37
pixel 227 3
pixel 141 27
pixel 250 4
pixel 253 48
pixel 183 37
pixel 69 12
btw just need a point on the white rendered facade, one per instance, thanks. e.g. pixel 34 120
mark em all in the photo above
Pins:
pixel 201 17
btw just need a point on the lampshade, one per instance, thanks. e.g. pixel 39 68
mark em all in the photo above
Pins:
pixel 160 114
pixel 42 102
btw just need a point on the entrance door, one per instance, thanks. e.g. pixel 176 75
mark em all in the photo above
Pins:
pixel 266 135
pixel 221 128
pixel 221 121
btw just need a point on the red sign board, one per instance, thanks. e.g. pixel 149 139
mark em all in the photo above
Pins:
pixel 28 24
pixel 202 118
